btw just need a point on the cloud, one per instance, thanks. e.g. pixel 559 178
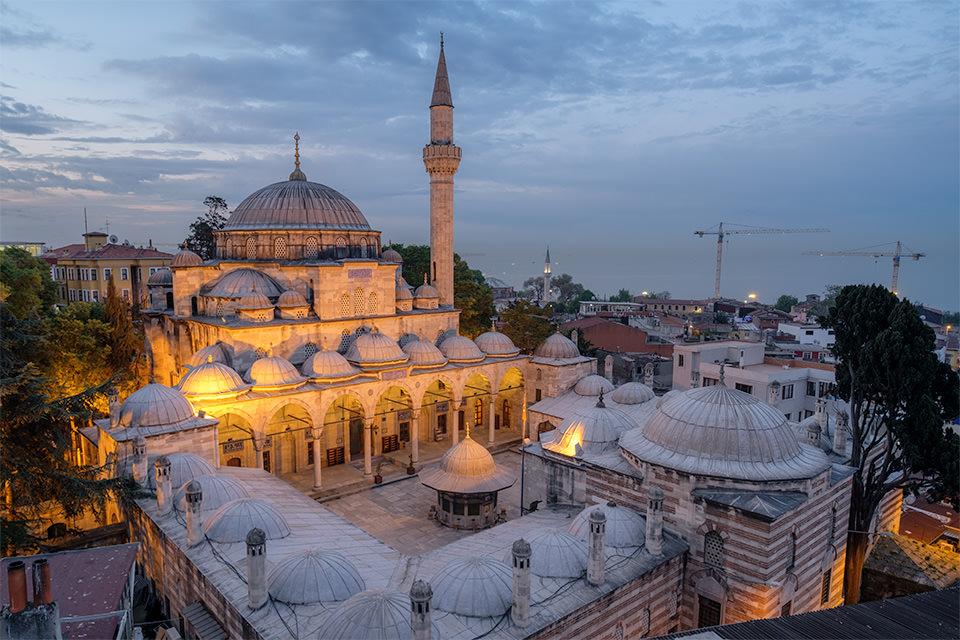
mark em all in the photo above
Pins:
pixel 28 119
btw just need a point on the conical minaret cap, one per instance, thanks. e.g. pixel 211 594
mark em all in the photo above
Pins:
pixel 441 86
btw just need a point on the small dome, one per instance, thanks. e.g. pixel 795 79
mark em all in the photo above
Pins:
pixel 593 385
pixel 215 352
pixel 314 576
pixel 557 347
pixel 494 343
pixel 632 393
pixel 186 258
pixel 185 467
pixel 254 300
pixel 467 467
pixel 625 527
pixel 595 431
pixel 424 354
pixel 217 491
pixel 426 291
pixel 375 613
pixel 461 349
pixel 328 364
pixel 480 587
pixel 212 379
pixel 557 554
pixel 162 277
pixel 154 405
pixel 404 293
pixel 392 256
pixel 291 298
pixel 273 372
pixel 232 521
pixel 375 348
pixel 296 204
pixel 234 284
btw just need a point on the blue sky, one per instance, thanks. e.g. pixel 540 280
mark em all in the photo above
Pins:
pixel 610 131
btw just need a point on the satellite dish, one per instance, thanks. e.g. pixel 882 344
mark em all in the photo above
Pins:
pixel 113 239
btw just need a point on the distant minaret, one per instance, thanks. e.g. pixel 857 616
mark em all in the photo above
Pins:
pixel 441 158
pixel 546 279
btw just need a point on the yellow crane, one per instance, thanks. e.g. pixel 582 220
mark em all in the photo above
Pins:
pixel 896 255
pixel 720 233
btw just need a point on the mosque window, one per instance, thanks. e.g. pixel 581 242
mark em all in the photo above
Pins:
pixel 708 613
pixel 345 305
pixel 359 302
pixel 645 622
pixel 374 303
pixel 251 248
pixel 341 247
pixel 345 339
pixel 309 349
pixel 363 247
pixel 478 413
pixel 746 388
pixel 260 353
pixel 280 248
pixel 228 250
pixel 825 588
pixel 311 251
pixel 618 632
pixel 713 549
pixel 792 553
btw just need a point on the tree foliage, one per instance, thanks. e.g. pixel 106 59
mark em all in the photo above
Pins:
pixel 25 284
pixel 566 289
pixel 533 288
pixel 125 341
pixel 900 398
pixel 622 296
pixel 416 262
pixel 526 324
pixel 201 240
pixel 785 303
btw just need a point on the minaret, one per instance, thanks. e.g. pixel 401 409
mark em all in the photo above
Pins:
pixel 441 158
pixel 546 280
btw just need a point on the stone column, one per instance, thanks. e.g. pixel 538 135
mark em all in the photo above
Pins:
pixel 164 488
pixel 520 612
pixel 140 469
pixel 317 432
pixel 491 418
pixel 420 595
pixel 654 537
pixel 415 434
pixel 455 421
pixel 194 506
pixel 259 442
pixel 367 446
pixel 596 551
pixel 256 568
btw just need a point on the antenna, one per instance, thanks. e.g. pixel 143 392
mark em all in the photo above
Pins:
pixel 85 230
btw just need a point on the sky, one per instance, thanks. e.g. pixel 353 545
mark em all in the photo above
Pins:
pixel 608 131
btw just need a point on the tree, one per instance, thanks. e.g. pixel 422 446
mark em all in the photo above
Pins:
pixel 201 240
pixel 565 288
pixel 720 317
pixel 785 303
pixel 585 296
pixel 527 325
pixel 822 308
pixel 416 262
pixel 622 296
pixel 25 283
pixel 900 398
pixel 473 296
pixel 952 318
pixel 125 341
pixel 533 288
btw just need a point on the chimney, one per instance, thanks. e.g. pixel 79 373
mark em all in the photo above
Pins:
pixel 840 434
pixel 820 414
pixel 648 374
pixel 140 466
pixel 256 568
pixel 113 405
pixel 17 583
pixel 420 595
pixel 42 589
pixel 813 434
pixel 164 488
pixel 597 547
pixel 608 368
pixel 194 500
pixel 773 394
pixel 520 612
pixel 654 537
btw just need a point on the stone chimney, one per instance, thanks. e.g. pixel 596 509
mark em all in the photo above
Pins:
pixel 194 506
pixel 164 486
pixel 256 568
pixel 813 434
pixel 820 415
pixel 420 595
pixel 654 537
pixel 520 612
pixel 27 621
pixel 17 584
pixel 773 394
pixel 840 434
pixel 608 368
pixel 140 467
pixel 648 370
pixel 42 589
pixel 113 405
pixel 597 544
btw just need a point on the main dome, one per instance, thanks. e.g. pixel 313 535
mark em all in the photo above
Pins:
pixel 296 204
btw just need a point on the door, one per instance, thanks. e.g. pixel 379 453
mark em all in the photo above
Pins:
pixel 356 437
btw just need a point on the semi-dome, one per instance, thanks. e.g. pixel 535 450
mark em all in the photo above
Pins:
pixel 217 491
pixel 374 348
pixel 593 385
pixel 494 343
pixel 625 527
pixel 557 347
pixel 234 284
pixel 632 393
pixel 232 521
pixel 424 354
pixel 375 613
pixel 722 432
pixel 557 554
pixel 154 405
pixel 215 352
pixel 592 431
pixel 314 576
pixel 461 349
pixel 291 298
pixel 296 204
pixel 162 277
pixel 328 364
pixel 186 467
pixel 480 587
pixel 275 373
pixel 392 256
pixel 212 379
pixel 186 258
pixel 467 467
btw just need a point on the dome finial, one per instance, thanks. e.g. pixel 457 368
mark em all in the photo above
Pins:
pixel 600 404
pixel 722 365
pixel 297 174
pixel 441 41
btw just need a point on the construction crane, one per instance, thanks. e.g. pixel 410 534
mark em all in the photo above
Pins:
pixel 896 255
pixel 720 233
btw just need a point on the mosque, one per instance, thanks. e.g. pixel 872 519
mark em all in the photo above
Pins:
pixel 300 346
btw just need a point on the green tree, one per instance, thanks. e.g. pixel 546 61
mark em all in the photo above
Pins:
pixel 785 303
pixel 622 296
pixel 951 318
pixel 25 283
pixel 565 288
pixel 526 324
pixel 473 296
pixel 822 308
pixel 720 317
pixel 201 240
pixel 416 262
pixel 900 398
pixel 585 296
pixel 533 288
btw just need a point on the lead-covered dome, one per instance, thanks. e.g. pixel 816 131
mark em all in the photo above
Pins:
pixel 632 393
pixel 162 277
pixel 238 282
pixel 461 349
pixel 467 467
pixel 186 258
pixel 480 587
pixel 557 347
pixel 296 204
pixel 212 379
pixel 592 431
pixel 232 521
pixel 217 490
pixel 314 576
pixel 722 432
pixel 424 354
pixel 373 349
pixel 375 613
pixel 625 527
pixel 186 467
pixel 215 352
pixel 274 373
pixel 154 405
pixel 328 364
pixel 496 344
pixel 557 554
pixel 592 385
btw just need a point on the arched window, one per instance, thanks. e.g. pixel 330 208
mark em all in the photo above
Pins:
pixel 311 252
pixel 713 549
pixel 478 412
pixel 792 553
pixel 345 305
pixel 359 303
pixel 363 247
pixel 228 249
pixel 374 303
pixel 345 339
pixel 341 247
pixel 251 248
pixel 280 248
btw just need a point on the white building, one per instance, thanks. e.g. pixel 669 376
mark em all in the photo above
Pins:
pixel 809 333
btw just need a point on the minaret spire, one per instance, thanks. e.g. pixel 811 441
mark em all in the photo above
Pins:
pixel 297 174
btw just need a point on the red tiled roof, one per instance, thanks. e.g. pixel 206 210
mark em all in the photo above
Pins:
pixel 107 252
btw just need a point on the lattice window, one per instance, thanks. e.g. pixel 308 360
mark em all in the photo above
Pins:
pixel 219 311
pixel 825 588
pixel 261 316
pixel 312 250
pixel 260 353
pixel 345 339
pixel 251 248
pixel 713 549
pixel 359 302
pixel 309 349
pixel 645 622
pixel 280 248
pixel 618 632
pixel 345 305
pixel 374 303
pixel 341 247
